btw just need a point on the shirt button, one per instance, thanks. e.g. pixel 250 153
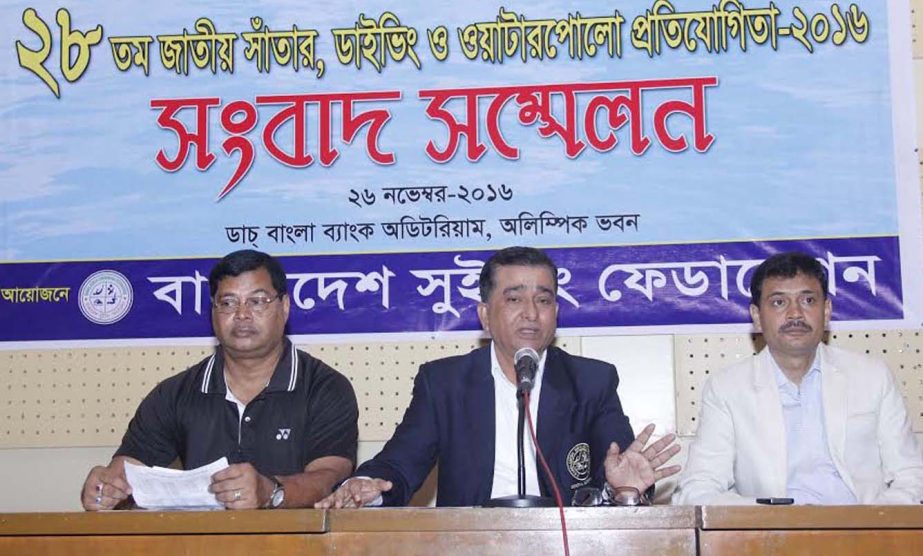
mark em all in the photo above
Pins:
pixel 247 419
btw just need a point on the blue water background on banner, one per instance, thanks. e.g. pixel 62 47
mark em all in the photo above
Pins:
pixel 802 147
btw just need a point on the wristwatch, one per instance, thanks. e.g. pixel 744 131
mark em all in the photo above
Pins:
pixel 626 496
pixel 278 494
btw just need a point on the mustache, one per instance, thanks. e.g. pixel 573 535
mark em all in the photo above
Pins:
pixel 796 325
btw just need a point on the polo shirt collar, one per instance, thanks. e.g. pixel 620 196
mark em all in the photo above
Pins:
pixel 284 378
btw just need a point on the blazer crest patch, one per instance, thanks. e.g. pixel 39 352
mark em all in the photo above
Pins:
pixel 578 463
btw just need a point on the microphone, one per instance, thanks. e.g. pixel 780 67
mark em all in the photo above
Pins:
pixel 526 362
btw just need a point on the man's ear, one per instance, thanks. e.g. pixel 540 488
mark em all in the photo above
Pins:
pixel 755 316
pixel 828 312
pixel 482 316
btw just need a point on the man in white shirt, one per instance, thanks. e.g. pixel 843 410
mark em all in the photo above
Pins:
pixel 463 411
pixel 801 420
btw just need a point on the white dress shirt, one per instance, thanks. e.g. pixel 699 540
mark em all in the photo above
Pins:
pixel 812 475
pixel 506 415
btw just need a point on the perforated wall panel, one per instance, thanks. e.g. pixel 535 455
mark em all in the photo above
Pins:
pixel 85 397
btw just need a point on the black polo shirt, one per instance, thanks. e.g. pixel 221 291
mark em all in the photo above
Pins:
pixel 307 411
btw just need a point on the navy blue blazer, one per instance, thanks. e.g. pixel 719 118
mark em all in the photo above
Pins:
pixel 450 421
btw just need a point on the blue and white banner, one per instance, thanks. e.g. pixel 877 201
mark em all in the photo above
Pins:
pixel 659 150
pixel 599 288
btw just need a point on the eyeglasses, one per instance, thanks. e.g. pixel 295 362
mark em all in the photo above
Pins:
pixel 256 305
pixel 588 497
pixel 619 496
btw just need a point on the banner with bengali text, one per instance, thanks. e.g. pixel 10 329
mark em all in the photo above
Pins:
pixel 659 150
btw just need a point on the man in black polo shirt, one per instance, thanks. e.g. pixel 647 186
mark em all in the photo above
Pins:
pixel 286 422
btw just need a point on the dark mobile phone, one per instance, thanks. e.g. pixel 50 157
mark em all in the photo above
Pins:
pixel 776 501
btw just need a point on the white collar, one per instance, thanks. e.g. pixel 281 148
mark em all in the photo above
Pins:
pixel 499 375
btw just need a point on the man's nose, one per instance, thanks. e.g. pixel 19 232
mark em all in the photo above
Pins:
pixel 243 311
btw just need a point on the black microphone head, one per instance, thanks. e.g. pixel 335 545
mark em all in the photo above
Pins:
pixel 526 362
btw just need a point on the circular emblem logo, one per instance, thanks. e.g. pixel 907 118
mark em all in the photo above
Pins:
pixel 578 462
pixel 105 297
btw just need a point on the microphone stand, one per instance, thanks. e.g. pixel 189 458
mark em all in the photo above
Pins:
pixel 521 500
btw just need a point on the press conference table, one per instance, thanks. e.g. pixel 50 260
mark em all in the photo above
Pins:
pixel 811 530
pixel 471 531
pixel 462 531
pixel 163 533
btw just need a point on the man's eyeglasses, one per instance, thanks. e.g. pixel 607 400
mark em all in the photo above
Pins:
pixel 589 497
pixel 619 496
pixel 256 305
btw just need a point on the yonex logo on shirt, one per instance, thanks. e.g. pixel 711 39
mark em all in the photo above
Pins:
pixel 283 434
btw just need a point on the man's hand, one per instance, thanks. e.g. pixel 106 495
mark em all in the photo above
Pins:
pixel 105 487
pixel 241 487
pixel 639 467
pixel 354 493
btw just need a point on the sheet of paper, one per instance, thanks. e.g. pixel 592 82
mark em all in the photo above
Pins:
pixel 159 488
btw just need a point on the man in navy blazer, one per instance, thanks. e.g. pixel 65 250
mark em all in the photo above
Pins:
pixel 462 413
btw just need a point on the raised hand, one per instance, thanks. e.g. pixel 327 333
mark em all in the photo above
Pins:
pixel 640 467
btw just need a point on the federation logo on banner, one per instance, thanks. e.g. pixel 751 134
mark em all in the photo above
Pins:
pixel 105 297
